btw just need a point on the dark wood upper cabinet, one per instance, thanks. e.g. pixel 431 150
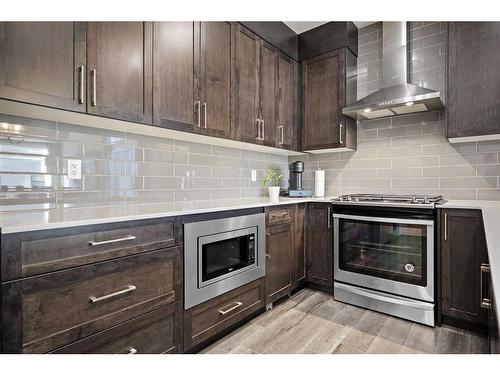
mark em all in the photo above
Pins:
pixel 285 102
pixel 246 86
pixel 324 96
pixel 119 70
pixel 319 244
pixel 213 78
pixel 173 69
pixel 473 106
pixel 463 250
pixel 44 63
pixel 268 92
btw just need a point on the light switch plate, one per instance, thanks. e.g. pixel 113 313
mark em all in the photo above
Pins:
pixel 74 169
pixel 254 175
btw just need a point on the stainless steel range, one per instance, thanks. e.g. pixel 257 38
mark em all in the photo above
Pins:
pixel 384 253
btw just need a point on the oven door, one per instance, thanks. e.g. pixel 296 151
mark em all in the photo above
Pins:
pixel 392 255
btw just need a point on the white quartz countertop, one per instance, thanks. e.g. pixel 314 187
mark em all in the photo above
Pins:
pixel 71 217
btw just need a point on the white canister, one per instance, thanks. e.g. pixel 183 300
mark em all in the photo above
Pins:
pixel 274 193
pixel 319 183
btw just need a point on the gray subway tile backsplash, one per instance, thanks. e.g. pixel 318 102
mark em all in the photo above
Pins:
pixel 120 168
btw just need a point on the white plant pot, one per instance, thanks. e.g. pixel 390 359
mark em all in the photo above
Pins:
pixel 274 193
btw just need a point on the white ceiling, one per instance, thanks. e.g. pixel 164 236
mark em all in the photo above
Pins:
pixel 301 26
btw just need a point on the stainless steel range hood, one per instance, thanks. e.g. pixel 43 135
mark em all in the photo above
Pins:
pixel 397 96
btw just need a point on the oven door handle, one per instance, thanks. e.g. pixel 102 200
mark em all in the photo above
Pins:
pixel 384 219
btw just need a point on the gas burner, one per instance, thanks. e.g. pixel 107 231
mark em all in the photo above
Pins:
pixel 390 200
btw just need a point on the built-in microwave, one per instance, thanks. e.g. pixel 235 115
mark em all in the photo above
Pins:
pixel 221 255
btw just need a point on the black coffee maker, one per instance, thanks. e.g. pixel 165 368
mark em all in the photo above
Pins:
pixel 295 182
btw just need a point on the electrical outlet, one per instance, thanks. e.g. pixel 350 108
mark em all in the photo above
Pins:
pixel 254 175
pixel 74 169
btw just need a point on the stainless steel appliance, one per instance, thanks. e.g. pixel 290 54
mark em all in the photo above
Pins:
pixel 295 186
pixel 221 255
pixel 384 253
pixel 397 96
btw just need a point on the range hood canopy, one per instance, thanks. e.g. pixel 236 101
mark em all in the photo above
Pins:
pixel 397 96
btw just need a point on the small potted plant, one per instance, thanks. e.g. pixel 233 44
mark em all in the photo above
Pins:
pixel 273 182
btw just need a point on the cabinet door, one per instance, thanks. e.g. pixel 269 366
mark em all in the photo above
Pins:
pixel 245 88
pixel 278 265
pixel 267 97
pixel 119 70
pixel 319 244
pixel 473 79
pixel 285 101
pixel 463 249
pixel 43 63
pixel 299 248
pixel 213 70
pixel 323 98
pixel 173 86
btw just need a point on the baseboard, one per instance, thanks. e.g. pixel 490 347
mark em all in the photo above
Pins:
pixel 478 328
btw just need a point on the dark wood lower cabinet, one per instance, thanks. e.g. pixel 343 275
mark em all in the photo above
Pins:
pixel 42 313
pixel 206 321
pixel 493 327
pixel 278 261
pixel 158 332
pixel 319 244
pixel 299 246
pixel 463 251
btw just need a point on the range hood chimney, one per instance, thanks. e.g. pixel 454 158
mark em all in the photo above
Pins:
pixel 397 96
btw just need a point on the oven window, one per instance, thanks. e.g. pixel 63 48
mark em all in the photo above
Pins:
pixel 387 250
pixel 223 257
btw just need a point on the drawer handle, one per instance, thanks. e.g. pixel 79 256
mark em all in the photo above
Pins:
pixel 127 290
pixel 126 238
pixel 236 305
pixel 132 350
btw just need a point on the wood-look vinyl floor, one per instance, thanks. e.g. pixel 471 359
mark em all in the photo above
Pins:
pixel 312 322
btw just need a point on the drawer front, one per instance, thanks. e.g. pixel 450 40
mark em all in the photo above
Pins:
pixel 205 320
pixel 157 332
pixel 34 253
pixel 45 312
pixel 278 215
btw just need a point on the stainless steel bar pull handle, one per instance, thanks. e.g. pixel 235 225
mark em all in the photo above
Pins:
pixel 446 226
pixel 128 289
pixel 263 127
pixel 121 239
pixel 93 101
pixel 205 115
pixel 236 305
pixel 282 137
pixel 197 105
pixel 132 350
pixel 329 221
pixel 485 300
pixel 341 141
pixel 81 84
pixel 258 128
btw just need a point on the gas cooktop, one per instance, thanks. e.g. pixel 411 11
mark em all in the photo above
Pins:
pixel 390 200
